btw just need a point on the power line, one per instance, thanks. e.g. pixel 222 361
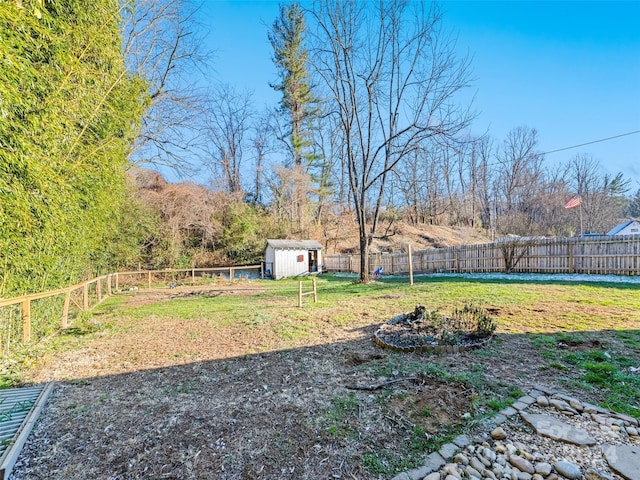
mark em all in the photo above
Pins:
pixel 590 143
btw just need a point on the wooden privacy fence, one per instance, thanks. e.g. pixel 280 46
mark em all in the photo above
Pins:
pixel 617 255
pixel 90 293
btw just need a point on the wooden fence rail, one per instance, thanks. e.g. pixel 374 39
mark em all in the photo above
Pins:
pixel 93 290
pixel 617 255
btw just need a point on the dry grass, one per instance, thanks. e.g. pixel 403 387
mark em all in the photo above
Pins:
pixel 238 383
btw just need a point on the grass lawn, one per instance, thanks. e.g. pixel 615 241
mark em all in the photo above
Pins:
pixel 265 389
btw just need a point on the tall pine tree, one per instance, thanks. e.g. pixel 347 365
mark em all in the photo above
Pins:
pixel 287 38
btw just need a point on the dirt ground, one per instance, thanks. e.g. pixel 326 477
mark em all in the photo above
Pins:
pixel 176 399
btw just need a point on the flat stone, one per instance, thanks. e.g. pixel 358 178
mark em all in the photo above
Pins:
pixel 625 418
pixel 433 476
pixel 448 450
pixel 590 408
pixel 462 441
pixel 548 426
pixel 544 389
pixel 599 419
pixel 535 393
pixel 566 398
pixel 528 399
pixel 520 405
pixel 561 405
pixel 499 419
pixel 569 470
pixel 624 460
pixel 403 476
pixel 419 473
pixel 508 411
pixel 434 462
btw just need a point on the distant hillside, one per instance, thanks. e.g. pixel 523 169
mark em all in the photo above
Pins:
pixel 400 234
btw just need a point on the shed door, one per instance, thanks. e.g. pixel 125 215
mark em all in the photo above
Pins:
pixel 313 260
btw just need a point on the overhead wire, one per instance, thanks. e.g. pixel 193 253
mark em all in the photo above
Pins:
pixel 592 142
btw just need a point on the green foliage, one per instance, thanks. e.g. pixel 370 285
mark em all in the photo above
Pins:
pixel 68 115
pixel 472 318
pixel 243 233
pixel 633 208
pixel 290 58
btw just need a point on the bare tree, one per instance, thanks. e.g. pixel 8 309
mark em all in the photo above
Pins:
pixel 290 192
pixel 519 180
pixel 228 127
pixel 601 194
pixel 163 44
pixel 391 75
pixel 262 146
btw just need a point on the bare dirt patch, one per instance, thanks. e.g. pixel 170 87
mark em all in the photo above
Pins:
pixel 434 404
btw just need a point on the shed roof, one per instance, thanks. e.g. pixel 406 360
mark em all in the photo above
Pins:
pixel 278 244
pixel 618 228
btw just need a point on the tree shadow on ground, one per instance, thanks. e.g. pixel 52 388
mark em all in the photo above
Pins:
pixel 299 413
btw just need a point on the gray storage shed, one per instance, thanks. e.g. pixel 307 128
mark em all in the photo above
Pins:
pixel 289 258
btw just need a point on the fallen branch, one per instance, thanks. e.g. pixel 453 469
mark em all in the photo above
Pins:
pixel 371 388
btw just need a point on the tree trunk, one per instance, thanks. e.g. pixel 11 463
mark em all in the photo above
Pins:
pixel 364 259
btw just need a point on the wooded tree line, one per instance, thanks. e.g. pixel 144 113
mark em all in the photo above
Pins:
pixel 371 126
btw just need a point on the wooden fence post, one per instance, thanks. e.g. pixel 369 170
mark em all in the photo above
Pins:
pixel 570 262
pixel 300 294
pixel 85 296
pixel 26 320
pixel 117 281
pixel 109 284
pixel 65 310
pixel 193 275
pixel 315 292
pixel 410 265
pixel 232 274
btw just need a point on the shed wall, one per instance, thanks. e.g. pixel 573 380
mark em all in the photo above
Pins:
pixel 286 263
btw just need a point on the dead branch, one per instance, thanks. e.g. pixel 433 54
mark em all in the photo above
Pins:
pixel 371 388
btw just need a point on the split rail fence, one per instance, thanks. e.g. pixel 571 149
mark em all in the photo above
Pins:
pixel 617 255
pixel 85 295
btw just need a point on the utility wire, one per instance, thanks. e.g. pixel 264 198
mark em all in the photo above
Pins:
pixel 589 143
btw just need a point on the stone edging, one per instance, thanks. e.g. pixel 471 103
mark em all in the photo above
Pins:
pixel 431 348
pixel 439 464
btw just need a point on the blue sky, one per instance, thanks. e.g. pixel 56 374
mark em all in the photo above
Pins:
pixel 569 69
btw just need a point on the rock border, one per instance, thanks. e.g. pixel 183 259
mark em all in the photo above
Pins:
pixel 464 458
pixel 431 348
